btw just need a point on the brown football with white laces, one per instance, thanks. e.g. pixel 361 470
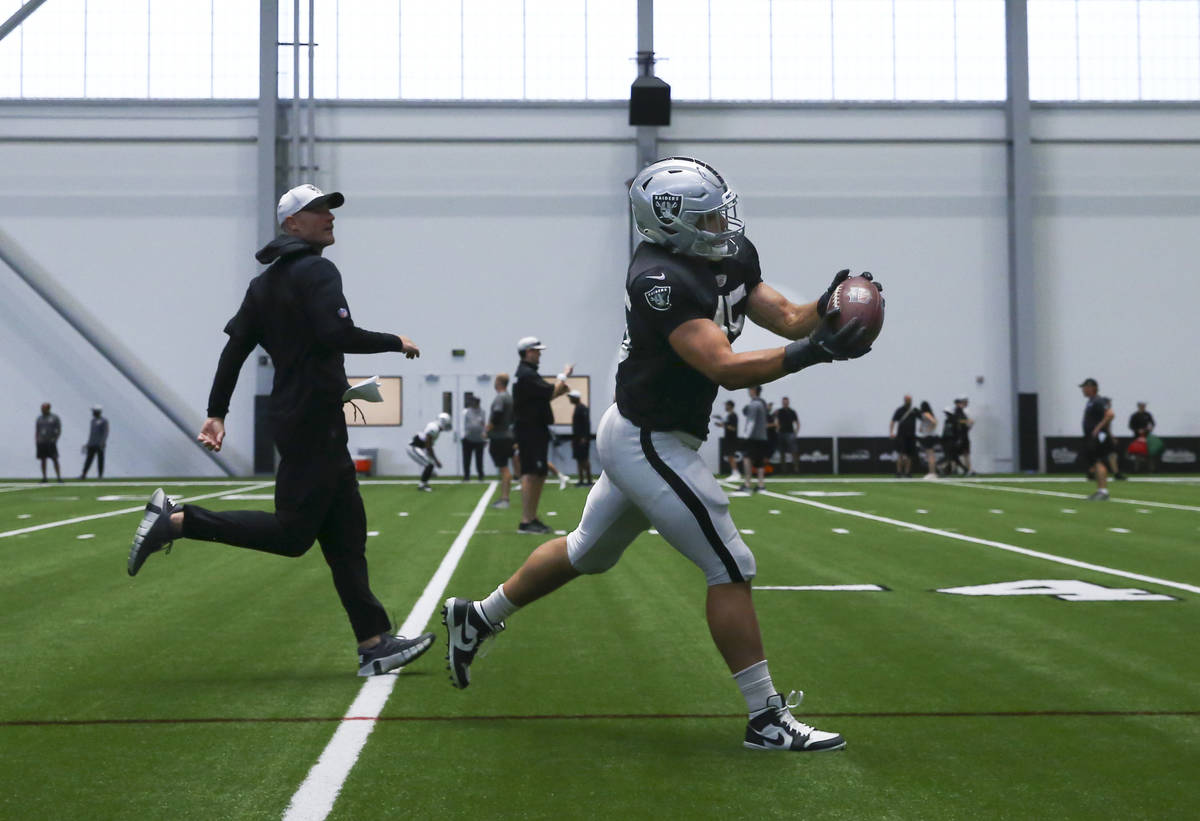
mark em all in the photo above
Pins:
pixel 858 298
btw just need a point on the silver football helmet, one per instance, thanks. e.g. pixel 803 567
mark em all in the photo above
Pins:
pixel 685 205
pixel 444 421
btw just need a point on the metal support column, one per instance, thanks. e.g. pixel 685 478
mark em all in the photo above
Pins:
pixel 647 135
pixel 270 187
pixel 1021 299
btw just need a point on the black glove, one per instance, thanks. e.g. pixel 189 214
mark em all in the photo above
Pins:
pixel 825 345
pixel 843 343
pixel 838 278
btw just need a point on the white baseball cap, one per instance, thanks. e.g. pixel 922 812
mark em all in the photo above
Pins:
pixel 530 343
pixel 574 394
pixel 305 196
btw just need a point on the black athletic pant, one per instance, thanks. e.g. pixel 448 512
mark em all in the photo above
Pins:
pixel 316 498
pixel 468 449
pixel 98 454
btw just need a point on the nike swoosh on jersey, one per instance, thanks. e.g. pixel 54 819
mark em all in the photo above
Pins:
pixel 653 276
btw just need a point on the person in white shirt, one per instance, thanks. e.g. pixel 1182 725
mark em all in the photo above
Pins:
pixel 421 448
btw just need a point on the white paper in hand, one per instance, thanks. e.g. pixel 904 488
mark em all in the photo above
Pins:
pixel 367 390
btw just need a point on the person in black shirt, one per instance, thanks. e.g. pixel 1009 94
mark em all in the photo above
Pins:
pixel 789 425
pixel 1097 436
pixel 688 290
pixel 96 443
pixel 532 419
pixel 581 438
pixel 1141 421
pixel 297 312
pixel 46 431
pixel 730 446
pixel 903 428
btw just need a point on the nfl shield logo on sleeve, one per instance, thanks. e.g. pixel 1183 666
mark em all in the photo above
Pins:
pixel 659 297
pixel 343 313
pixel 667 207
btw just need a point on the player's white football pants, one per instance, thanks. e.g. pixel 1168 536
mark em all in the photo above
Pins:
pixel 656 479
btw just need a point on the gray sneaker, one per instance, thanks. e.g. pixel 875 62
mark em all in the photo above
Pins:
pixel 392 652
pixel 1099 496
pixel 500 505
pixel 153 532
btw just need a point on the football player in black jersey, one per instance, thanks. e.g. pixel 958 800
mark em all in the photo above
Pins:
pixel 689 289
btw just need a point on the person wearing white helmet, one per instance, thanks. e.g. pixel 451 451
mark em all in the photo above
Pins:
pixel 688 290
pixel 420 449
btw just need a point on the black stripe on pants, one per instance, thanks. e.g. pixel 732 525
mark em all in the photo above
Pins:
pixel 693 503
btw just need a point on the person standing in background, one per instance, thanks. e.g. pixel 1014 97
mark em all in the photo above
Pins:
pixel 499 434
pixel 96 443
pixel 927 437
pixel 1097 438
pixel 531 407
pixel 789 426
pixel 756 438
pixel 903 428
pixel 1141 421
pixel 581 438
pixel 46 431
pixel 730 443
pixel 473 437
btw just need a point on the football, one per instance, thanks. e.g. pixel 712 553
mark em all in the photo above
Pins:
pixel 858 297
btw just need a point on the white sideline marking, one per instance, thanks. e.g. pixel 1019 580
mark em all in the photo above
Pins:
pixel 1119 530
pixel 1036 554
pixel 314 799
pixel 1068 495
pixel 852 588
pixel 124 510
pixel 251 497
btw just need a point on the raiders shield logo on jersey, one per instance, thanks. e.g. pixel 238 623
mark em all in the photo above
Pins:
pixel 667 207
pixel 659 297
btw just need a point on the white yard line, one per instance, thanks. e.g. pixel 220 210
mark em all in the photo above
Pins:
pixel 124 510
pixel 1036 554
pixel 314 800
pixel 1061 494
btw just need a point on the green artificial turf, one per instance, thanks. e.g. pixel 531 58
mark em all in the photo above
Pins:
pixel 208 686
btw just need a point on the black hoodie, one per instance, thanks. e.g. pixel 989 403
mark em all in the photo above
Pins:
pixel 296 310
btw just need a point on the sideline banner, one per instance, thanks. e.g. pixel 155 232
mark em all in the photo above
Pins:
pixel 1181 454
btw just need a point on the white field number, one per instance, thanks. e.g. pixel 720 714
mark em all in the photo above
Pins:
pixel 1063 589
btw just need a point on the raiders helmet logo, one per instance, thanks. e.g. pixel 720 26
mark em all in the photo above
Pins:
pixel 667 207
pixel 659 297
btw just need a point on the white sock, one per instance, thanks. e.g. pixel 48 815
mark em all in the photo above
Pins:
pixel 755 684
pixel 496 607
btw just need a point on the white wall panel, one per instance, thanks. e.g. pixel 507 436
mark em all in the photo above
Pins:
pixel 156 241
pixel 1115 248
pixel 470 226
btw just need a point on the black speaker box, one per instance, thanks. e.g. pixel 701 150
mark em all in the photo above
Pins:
pixel 649 102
